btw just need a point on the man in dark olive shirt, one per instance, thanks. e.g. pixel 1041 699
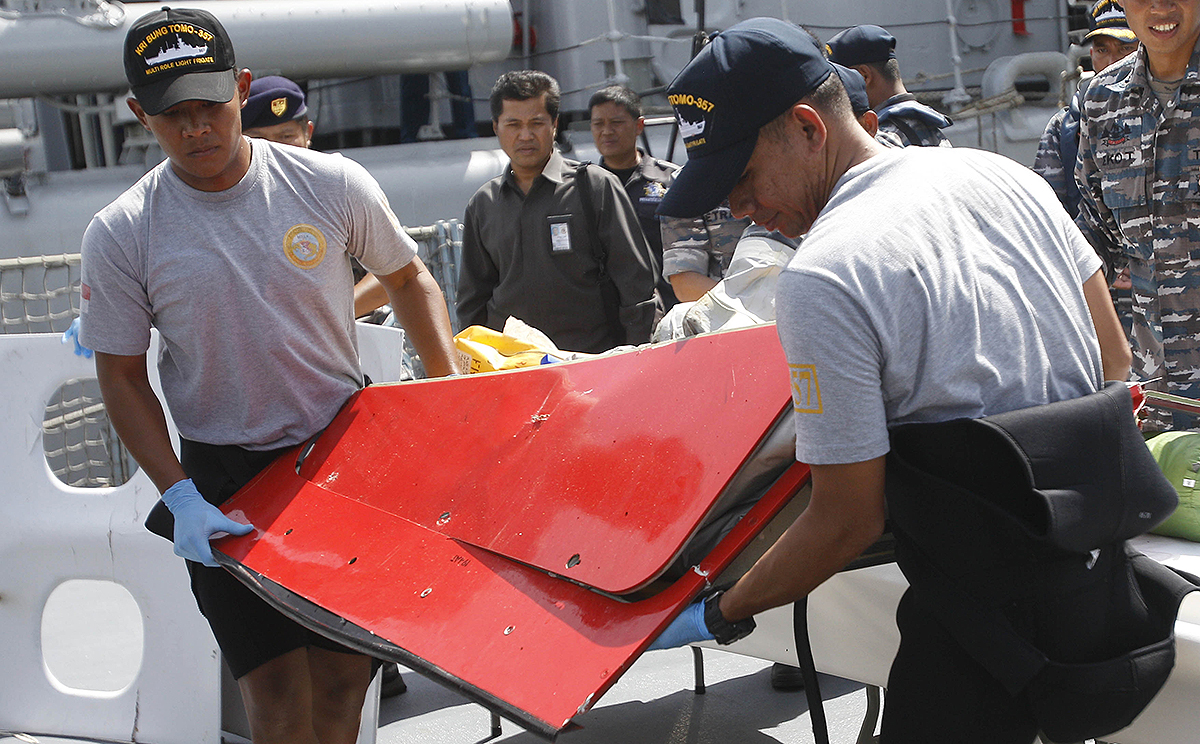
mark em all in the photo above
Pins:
pixel 531 250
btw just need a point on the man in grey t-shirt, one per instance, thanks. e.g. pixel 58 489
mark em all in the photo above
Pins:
pixel 932 284
pixel 238 253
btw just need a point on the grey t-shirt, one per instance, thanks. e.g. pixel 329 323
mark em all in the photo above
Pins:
pixel 250 289
pixel 936 284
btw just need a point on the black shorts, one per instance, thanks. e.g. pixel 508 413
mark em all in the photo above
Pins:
pixel 249 631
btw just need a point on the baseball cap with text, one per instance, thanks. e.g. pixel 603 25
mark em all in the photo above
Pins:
pixel 178 54
pixel 1107 18
pixel 747 76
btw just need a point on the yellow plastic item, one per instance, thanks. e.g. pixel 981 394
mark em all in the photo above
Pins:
pixel 481 349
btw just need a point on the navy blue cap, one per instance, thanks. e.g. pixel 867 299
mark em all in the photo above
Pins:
pixel 273 100
pixel 861 45
pixel 856 89
pixel 179 54
pixel 1107 18
pixel 747 76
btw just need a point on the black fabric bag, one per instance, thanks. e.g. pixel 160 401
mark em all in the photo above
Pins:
pixel 1012 530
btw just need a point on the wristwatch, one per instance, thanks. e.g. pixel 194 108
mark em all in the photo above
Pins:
pixel 724 631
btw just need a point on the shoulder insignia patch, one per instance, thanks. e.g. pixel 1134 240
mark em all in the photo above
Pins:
pixel 806 391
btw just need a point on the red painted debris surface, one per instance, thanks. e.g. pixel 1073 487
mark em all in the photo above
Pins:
pixel 443 516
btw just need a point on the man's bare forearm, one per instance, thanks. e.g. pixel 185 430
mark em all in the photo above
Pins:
pixel 1115 354
pixel 846 514
pixel 137 416
pixel 369 295
pixel 690 286
pixel 421 309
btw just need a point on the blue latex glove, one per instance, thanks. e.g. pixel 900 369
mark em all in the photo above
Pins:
pixel 72 335
pixel 688 627
pixel 196 521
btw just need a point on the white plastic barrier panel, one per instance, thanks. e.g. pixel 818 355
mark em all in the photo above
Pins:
pixel 87 542
pixel 381 351
pixel 50 534
pixel 851 626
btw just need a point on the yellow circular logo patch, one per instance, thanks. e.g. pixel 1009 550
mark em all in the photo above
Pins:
pixel 304 246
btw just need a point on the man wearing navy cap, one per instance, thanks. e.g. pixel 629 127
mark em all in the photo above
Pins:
pixel 276 110
pixel 224 249
pixel 871 51
pixel 1111 40
pixel 617 122
pixel 932 284
pixel 856 91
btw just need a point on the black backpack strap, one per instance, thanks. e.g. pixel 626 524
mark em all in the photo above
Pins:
pixel 808 669
pixel 608 289
pixel 588 201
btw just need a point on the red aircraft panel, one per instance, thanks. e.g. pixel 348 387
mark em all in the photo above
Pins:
pixel 433 523
pixel 498 631
pixel 568 467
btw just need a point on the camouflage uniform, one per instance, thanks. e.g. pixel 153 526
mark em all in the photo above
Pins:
pixel 913 122
pixel 1057 153
pixel 703 245
pixel 888 139
pixel 1139 179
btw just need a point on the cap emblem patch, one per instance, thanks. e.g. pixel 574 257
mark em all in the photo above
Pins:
pixel 689 129
pixel 278 106
pixel 189 46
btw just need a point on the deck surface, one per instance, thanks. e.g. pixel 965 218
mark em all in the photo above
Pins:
pixel 652 704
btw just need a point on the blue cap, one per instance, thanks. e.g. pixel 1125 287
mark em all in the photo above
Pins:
pixel 861 45
pixel 747 76
pixel 273 100
pixel 856 89
pixel 1107 18
pixel 179 54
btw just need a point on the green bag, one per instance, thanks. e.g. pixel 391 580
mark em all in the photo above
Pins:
pixel 1178 454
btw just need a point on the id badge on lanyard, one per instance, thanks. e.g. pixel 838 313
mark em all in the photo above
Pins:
pixel 560 233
